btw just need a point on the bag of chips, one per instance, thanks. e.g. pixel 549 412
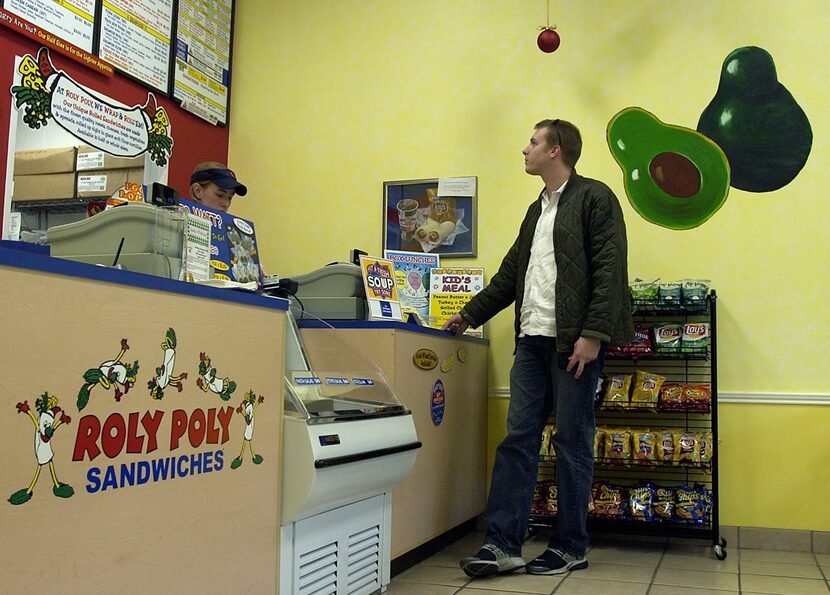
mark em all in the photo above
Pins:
pixel 618 446
pixel 617 388
pixel 704 445
pixel 667 337
pixel 539 495
pixel 644 292
pixel 646 389
pixel 608 500
pixel 551 499
pixel 666 446
pixel 688 450
pixel 645 446
pixel 547 434
pixel 669 293
pixel 641 503
pixel 695 337
pixel 664 503
pixel 694 293
pixel 671 397
pixel 599 443
pixel 697 397
pixel 690 506
pixel 640 345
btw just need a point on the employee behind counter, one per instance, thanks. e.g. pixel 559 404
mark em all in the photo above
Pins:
pixel 214 185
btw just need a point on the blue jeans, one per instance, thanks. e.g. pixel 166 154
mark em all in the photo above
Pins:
pixel 539 387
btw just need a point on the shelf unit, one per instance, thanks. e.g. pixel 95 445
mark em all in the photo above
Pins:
pixel 679 368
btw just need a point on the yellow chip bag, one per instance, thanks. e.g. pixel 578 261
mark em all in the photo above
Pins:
pixel 646 389
pixel 645 446
pixel 617 387
pixel 618 445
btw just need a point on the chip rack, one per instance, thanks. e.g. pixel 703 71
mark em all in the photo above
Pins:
pixel 681 368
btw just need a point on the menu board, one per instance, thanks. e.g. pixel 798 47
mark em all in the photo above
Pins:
pixel 136 38
pixel 71 20
pixel 203 47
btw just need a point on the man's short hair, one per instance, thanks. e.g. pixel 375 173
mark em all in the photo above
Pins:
pixel 566 135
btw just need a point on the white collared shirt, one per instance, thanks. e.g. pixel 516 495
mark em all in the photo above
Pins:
pixel 538 316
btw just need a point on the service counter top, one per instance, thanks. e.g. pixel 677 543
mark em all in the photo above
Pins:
pixel 442 379
pixel 141 423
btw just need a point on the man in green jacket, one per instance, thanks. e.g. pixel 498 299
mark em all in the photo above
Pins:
pixel 567 275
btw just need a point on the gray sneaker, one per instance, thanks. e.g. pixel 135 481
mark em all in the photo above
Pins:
pixel 556 562
pixel 490 560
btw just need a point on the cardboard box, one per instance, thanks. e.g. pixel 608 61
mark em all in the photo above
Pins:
pixel 92 159
pixel 103 183
pixel 44 187
pixel 44 161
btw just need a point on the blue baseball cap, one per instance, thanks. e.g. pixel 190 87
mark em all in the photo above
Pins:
pixel 222 177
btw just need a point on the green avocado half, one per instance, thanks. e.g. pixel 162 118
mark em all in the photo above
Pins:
pixel 674 176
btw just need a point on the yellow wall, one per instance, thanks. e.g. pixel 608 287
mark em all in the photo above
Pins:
pixel 332 97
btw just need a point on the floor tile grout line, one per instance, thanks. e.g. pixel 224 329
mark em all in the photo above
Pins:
pixel 656 569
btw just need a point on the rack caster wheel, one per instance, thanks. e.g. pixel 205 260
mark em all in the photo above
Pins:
pixel 720 551
pixel 722 542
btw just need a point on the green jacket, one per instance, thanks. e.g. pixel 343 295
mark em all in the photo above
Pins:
pixel 592 295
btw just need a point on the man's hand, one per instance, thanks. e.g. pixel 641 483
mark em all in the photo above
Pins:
pixel 455 324
pixel 586 350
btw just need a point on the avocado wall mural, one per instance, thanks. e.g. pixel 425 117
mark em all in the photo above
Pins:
pixel 752 136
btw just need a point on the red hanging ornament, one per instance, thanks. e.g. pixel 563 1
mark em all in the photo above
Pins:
pixel 548 39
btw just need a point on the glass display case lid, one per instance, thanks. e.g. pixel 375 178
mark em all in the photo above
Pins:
pixel 328 396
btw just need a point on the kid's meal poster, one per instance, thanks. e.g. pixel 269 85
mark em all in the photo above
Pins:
pixel 450 289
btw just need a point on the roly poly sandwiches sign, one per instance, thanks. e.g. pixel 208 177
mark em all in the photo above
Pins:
pixel 48 94
pixel 133 448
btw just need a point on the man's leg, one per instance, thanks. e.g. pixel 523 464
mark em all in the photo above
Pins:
pixel 573 442
pixel 517 457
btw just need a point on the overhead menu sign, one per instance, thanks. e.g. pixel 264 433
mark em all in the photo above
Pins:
pixel 203 47
pixel 136 38
pixel 71 20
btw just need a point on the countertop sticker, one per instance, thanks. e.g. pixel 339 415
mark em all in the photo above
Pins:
pixel 426 359
pixel 437 402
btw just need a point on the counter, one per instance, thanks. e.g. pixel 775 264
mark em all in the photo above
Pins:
pixel 140 421
pixel 447 486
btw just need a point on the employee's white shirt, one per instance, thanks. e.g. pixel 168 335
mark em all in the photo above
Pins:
pixel 538 316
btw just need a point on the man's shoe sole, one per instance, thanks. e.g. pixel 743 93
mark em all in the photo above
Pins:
pixel 482 568
pixel 578 565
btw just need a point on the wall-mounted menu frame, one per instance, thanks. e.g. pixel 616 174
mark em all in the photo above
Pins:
pixel 201 77
pixel 136 37
pixel 71 20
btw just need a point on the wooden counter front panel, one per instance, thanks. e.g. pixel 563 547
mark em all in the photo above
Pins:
pixel 117 525
pixel 448 483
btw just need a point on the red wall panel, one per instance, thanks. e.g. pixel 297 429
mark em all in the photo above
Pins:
pixel 194 139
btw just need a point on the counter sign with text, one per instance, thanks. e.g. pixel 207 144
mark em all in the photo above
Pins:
pixel 381 291
pixel 450 289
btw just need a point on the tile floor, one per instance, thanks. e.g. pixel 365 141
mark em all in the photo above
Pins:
pixel 629 568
